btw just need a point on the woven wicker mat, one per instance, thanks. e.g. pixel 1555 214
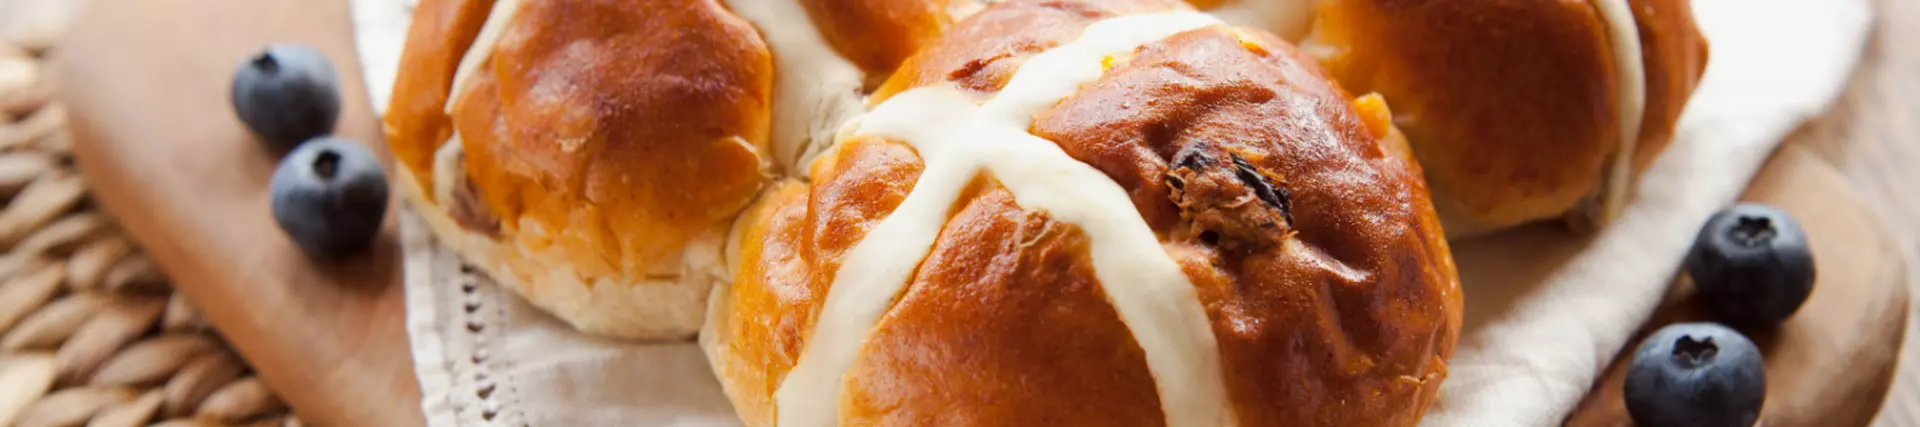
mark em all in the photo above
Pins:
pixel 90 332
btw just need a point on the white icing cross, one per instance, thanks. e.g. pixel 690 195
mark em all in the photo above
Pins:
pixel 814 88
pixel 958 139
pixel 498 17
pixel 1623 32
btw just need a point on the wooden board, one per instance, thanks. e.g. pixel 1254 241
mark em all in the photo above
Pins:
pixel 1832 362
pixel 1871 136
pixel 146 82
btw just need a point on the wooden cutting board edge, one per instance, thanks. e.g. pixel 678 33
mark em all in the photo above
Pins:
pixel 1833 362
pixel 1792 165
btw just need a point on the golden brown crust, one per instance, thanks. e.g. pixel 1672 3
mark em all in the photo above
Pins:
pixel 997 43
pixel 416 121
pixel 1311 243
pixel 791 245
pixel 878 34
pixel 1353 267
pixel 1510 106
pixel 600 144
pixel 1676 56
pixel 568 128
pixel 596 146
pixel 1509 128
pixel 769 305
pixel 1004 306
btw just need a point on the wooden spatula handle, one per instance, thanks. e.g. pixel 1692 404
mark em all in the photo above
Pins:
pixel 147 83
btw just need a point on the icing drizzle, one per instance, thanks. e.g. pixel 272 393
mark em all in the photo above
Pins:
pixel 477 53
pixel 1623 33
pixel 814 88
pixel 957 140
pixel 1289 19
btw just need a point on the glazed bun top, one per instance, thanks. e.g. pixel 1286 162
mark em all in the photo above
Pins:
pixel 1101 213
pixel 559 109
pixel 593 160
pixel 877 35
pixel 1034 212
pixel 1526 110
pixel 1519 110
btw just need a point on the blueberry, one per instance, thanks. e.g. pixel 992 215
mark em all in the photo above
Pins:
pixel 1696 375
pixel 330 196
pixel 286 94
pixel 1751 265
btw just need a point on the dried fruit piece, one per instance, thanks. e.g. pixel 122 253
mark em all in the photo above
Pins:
pixel 1226 200
pixel 1276 197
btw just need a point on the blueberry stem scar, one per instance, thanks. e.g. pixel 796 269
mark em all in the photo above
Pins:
pixel 326 164
pixel 1753 230
pixel 1694 353
pixel 265 62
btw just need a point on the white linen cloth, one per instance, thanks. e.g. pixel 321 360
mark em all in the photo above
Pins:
pixel 1545 310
